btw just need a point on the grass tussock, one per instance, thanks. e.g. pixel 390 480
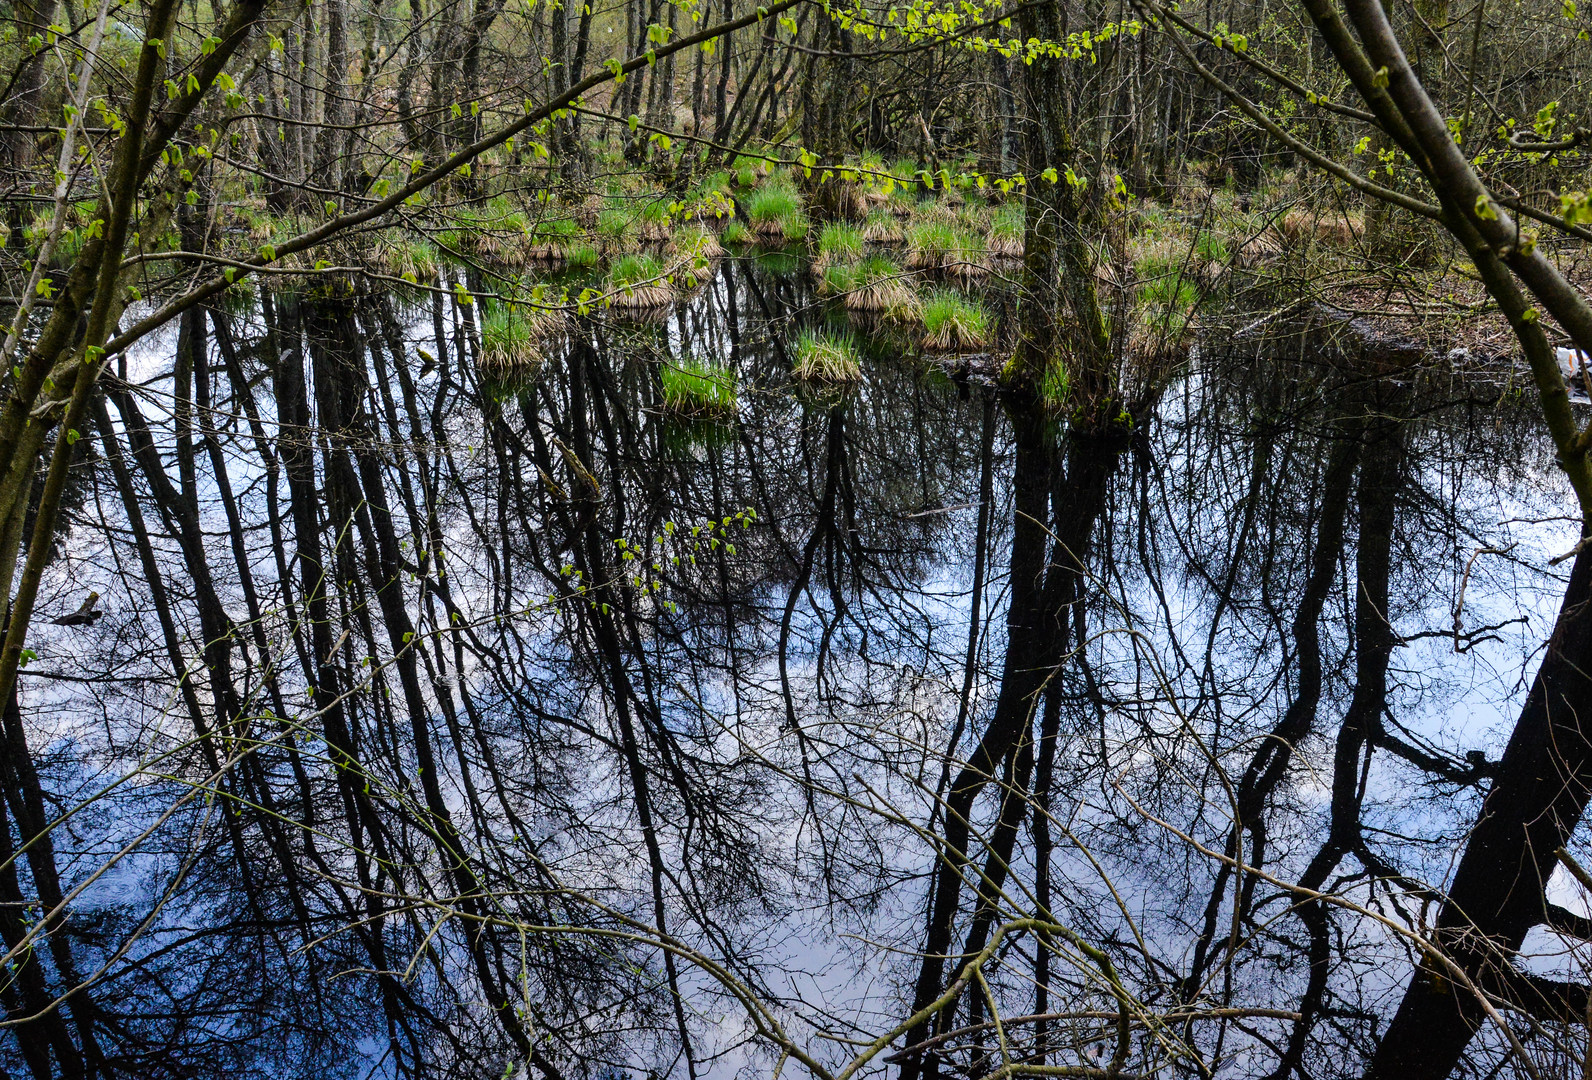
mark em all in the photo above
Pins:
pixel 873 286
pixel 515 338
pixel 1163 315
pixel 699 244
pixel 774 212
pixel 412 258
pixel 1006 232
pixel 552 240
pixel 882 229
pixel 656 222
pixel 827 358
pixel 952 323
pixel 637 282
pixel 696 389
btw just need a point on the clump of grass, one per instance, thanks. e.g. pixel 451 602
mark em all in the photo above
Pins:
pixel 1211 258
pixel 747 171
pixel 698 389
pixel 881 229
pixel 836 279
pixel 931 245
pixel 412 258
pixel 1164 314
pixel 775 211
pixel 1055 386
pixel 451 241
pixel 657 221
pixel 821 357
pixel 875 286
pixel 696 243
pixel 836 244
pixel 930 207
pixel 636 282
pixel 736 233
pixel 583 255
pixel 952 323
pixel 718 181
pixel 552 239
pixel 1211 248
pixel 497 230
pixel 514 337
pixel 1006 232
pixel 615 225
pixel 794 227
pixel 692 253
pixel 970 260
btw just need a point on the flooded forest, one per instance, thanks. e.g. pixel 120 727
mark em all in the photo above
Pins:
pixel 822 540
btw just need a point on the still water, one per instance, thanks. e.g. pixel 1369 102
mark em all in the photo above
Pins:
pixel 489 683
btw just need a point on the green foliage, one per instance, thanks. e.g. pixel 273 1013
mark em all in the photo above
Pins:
pixel 872 286
pixel 1171 289
pixel 558 228
pixel 794 227
pixel 836 279
pixel 747 171
pixel 1055 386
pixel 503 332
pixel 1007 229
pixel 1211 248
pixel 881 228
pixel 697 388
pixel 497 230
pixel 736 233
pixel 771 204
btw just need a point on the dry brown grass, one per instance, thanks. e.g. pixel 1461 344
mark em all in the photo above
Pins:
pixel 1260 249
pixel 1334 229
pixel 883 231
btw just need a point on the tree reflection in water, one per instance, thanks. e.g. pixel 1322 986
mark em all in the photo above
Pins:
pixel 438 727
